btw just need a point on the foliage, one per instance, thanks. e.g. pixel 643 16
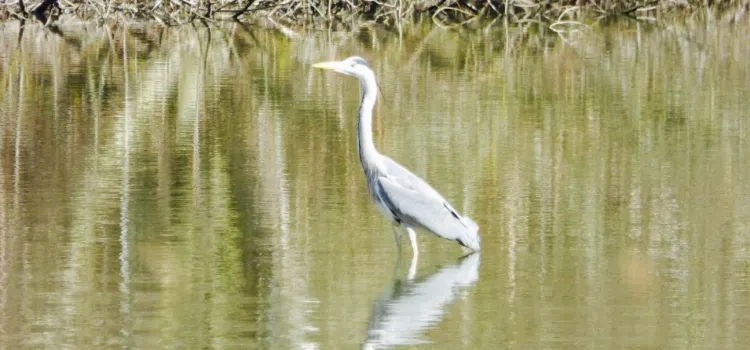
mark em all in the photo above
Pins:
pixel 559 15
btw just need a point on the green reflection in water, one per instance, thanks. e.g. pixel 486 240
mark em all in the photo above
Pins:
pixel 200 188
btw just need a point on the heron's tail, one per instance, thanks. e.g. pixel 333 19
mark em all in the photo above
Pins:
pixel 470 236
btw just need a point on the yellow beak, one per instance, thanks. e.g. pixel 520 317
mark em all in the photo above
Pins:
pixel 327 65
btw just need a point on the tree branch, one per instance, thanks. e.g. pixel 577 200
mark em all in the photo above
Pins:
pixel 39 11
pixel 636 7
pixel 23 8
pixel 240 12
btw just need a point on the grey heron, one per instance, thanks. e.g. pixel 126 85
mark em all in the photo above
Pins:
pixel 401 196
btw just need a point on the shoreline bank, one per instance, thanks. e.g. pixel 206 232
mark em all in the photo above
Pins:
pixel 556 15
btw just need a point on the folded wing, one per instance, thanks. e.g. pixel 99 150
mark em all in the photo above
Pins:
pixel 417 206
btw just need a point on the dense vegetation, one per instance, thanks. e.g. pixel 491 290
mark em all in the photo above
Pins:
pixel 387 12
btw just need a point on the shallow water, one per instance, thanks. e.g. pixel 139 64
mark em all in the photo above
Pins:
pixel 200 188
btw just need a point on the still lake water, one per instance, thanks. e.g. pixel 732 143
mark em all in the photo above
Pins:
pixel 200 188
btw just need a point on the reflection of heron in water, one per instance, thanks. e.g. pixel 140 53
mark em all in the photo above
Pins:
pixel 409 307
pixel 401 196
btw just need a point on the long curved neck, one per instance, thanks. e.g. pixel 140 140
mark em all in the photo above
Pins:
pixel 368 155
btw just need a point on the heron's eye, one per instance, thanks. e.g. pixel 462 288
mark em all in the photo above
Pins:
pixel 353 64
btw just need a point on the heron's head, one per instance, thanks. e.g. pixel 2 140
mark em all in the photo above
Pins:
pixel 355 66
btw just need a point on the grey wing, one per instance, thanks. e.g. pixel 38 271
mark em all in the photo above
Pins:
pixel 429 210
pixel 407 179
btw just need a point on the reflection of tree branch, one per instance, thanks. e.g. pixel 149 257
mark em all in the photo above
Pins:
pixel 146 43
pixel 205 53
pixel 20 31
pixel 244 26
pixel 56 30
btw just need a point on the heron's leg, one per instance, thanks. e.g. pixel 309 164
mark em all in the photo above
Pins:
pixel 397 235
pixel 412 267
pixel 413 240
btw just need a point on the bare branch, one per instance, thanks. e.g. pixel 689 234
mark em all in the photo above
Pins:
pixel 240 12
pixel 22 7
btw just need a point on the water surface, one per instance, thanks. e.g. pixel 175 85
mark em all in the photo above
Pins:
pixel 200 188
